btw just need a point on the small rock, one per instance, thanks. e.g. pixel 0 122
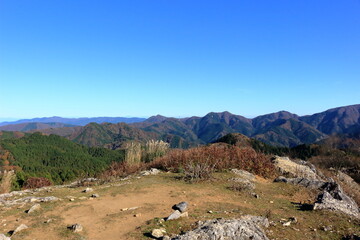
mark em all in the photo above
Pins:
pixel 132 208
pixel 124 209
pixel 20 228
pixel 271 202
pixel 326 228
pixel 34 208
pixel 174 215
pixel 95 195
pixel 184 214
pixel 71 199
pixel 286 224
pixel 158 233
pixel 293 219
pixel 88 190
pixel 76 227
pixel 137 215
pixel 180 206
pixel 48 221
pixel 211 212
pixel 255 195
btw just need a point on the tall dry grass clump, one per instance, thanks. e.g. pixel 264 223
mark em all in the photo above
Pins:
pixel 136 157
pixel 133 153
pixel 154 149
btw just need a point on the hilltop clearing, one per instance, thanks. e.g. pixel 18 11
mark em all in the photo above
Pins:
pixel 133 207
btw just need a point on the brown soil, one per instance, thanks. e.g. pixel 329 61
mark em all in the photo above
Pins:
pixel 103 218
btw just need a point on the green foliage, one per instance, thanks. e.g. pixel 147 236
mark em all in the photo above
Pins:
pixel 57 158
pixel 262 147
pixel 304 151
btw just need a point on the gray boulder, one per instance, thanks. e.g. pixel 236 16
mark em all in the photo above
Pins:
pixel 244 174
pixel 174 215
pixel 245 228
pixel 333 198
pixel 292 169
pixel 181 206
pixel 240 184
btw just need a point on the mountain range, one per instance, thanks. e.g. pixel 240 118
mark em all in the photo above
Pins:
pixel 280 129
pixel 75 121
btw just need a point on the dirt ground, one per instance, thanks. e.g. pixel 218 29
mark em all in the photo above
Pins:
pixel 106 217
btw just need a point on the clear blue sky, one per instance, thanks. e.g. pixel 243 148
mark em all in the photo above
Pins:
pixel 89 58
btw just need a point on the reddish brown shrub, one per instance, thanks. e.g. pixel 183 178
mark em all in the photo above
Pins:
pixel 200 162
pixel 121 169
pixel 37 182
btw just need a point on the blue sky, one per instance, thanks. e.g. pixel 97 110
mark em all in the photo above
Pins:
pixel 177 58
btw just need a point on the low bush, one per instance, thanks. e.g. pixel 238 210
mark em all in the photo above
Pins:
pixel 37 182
pixel 121 169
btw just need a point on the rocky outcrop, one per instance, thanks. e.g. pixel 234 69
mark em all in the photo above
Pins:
pixel 244 174
pixel 308 183
pixel 293 169
pixel 245 228
pixel 27 200
pixel 334 198
pixel 331 196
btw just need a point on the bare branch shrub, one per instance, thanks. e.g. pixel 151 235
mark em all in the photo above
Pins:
pixel 215 157
pixel 120 169
pixel 37 182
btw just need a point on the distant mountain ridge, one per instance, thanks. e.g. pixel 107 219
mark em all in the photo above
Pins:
pixel 25 127
pixel 281 128
pixel 76 121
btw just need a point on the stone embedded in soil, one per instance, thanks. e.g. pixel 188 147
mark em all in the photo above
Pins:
pixel 175 215
pixel 95 195
pixel 158 233
pixel 76 228
pixel 34 208
pixel 20 228
pixel 88 190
